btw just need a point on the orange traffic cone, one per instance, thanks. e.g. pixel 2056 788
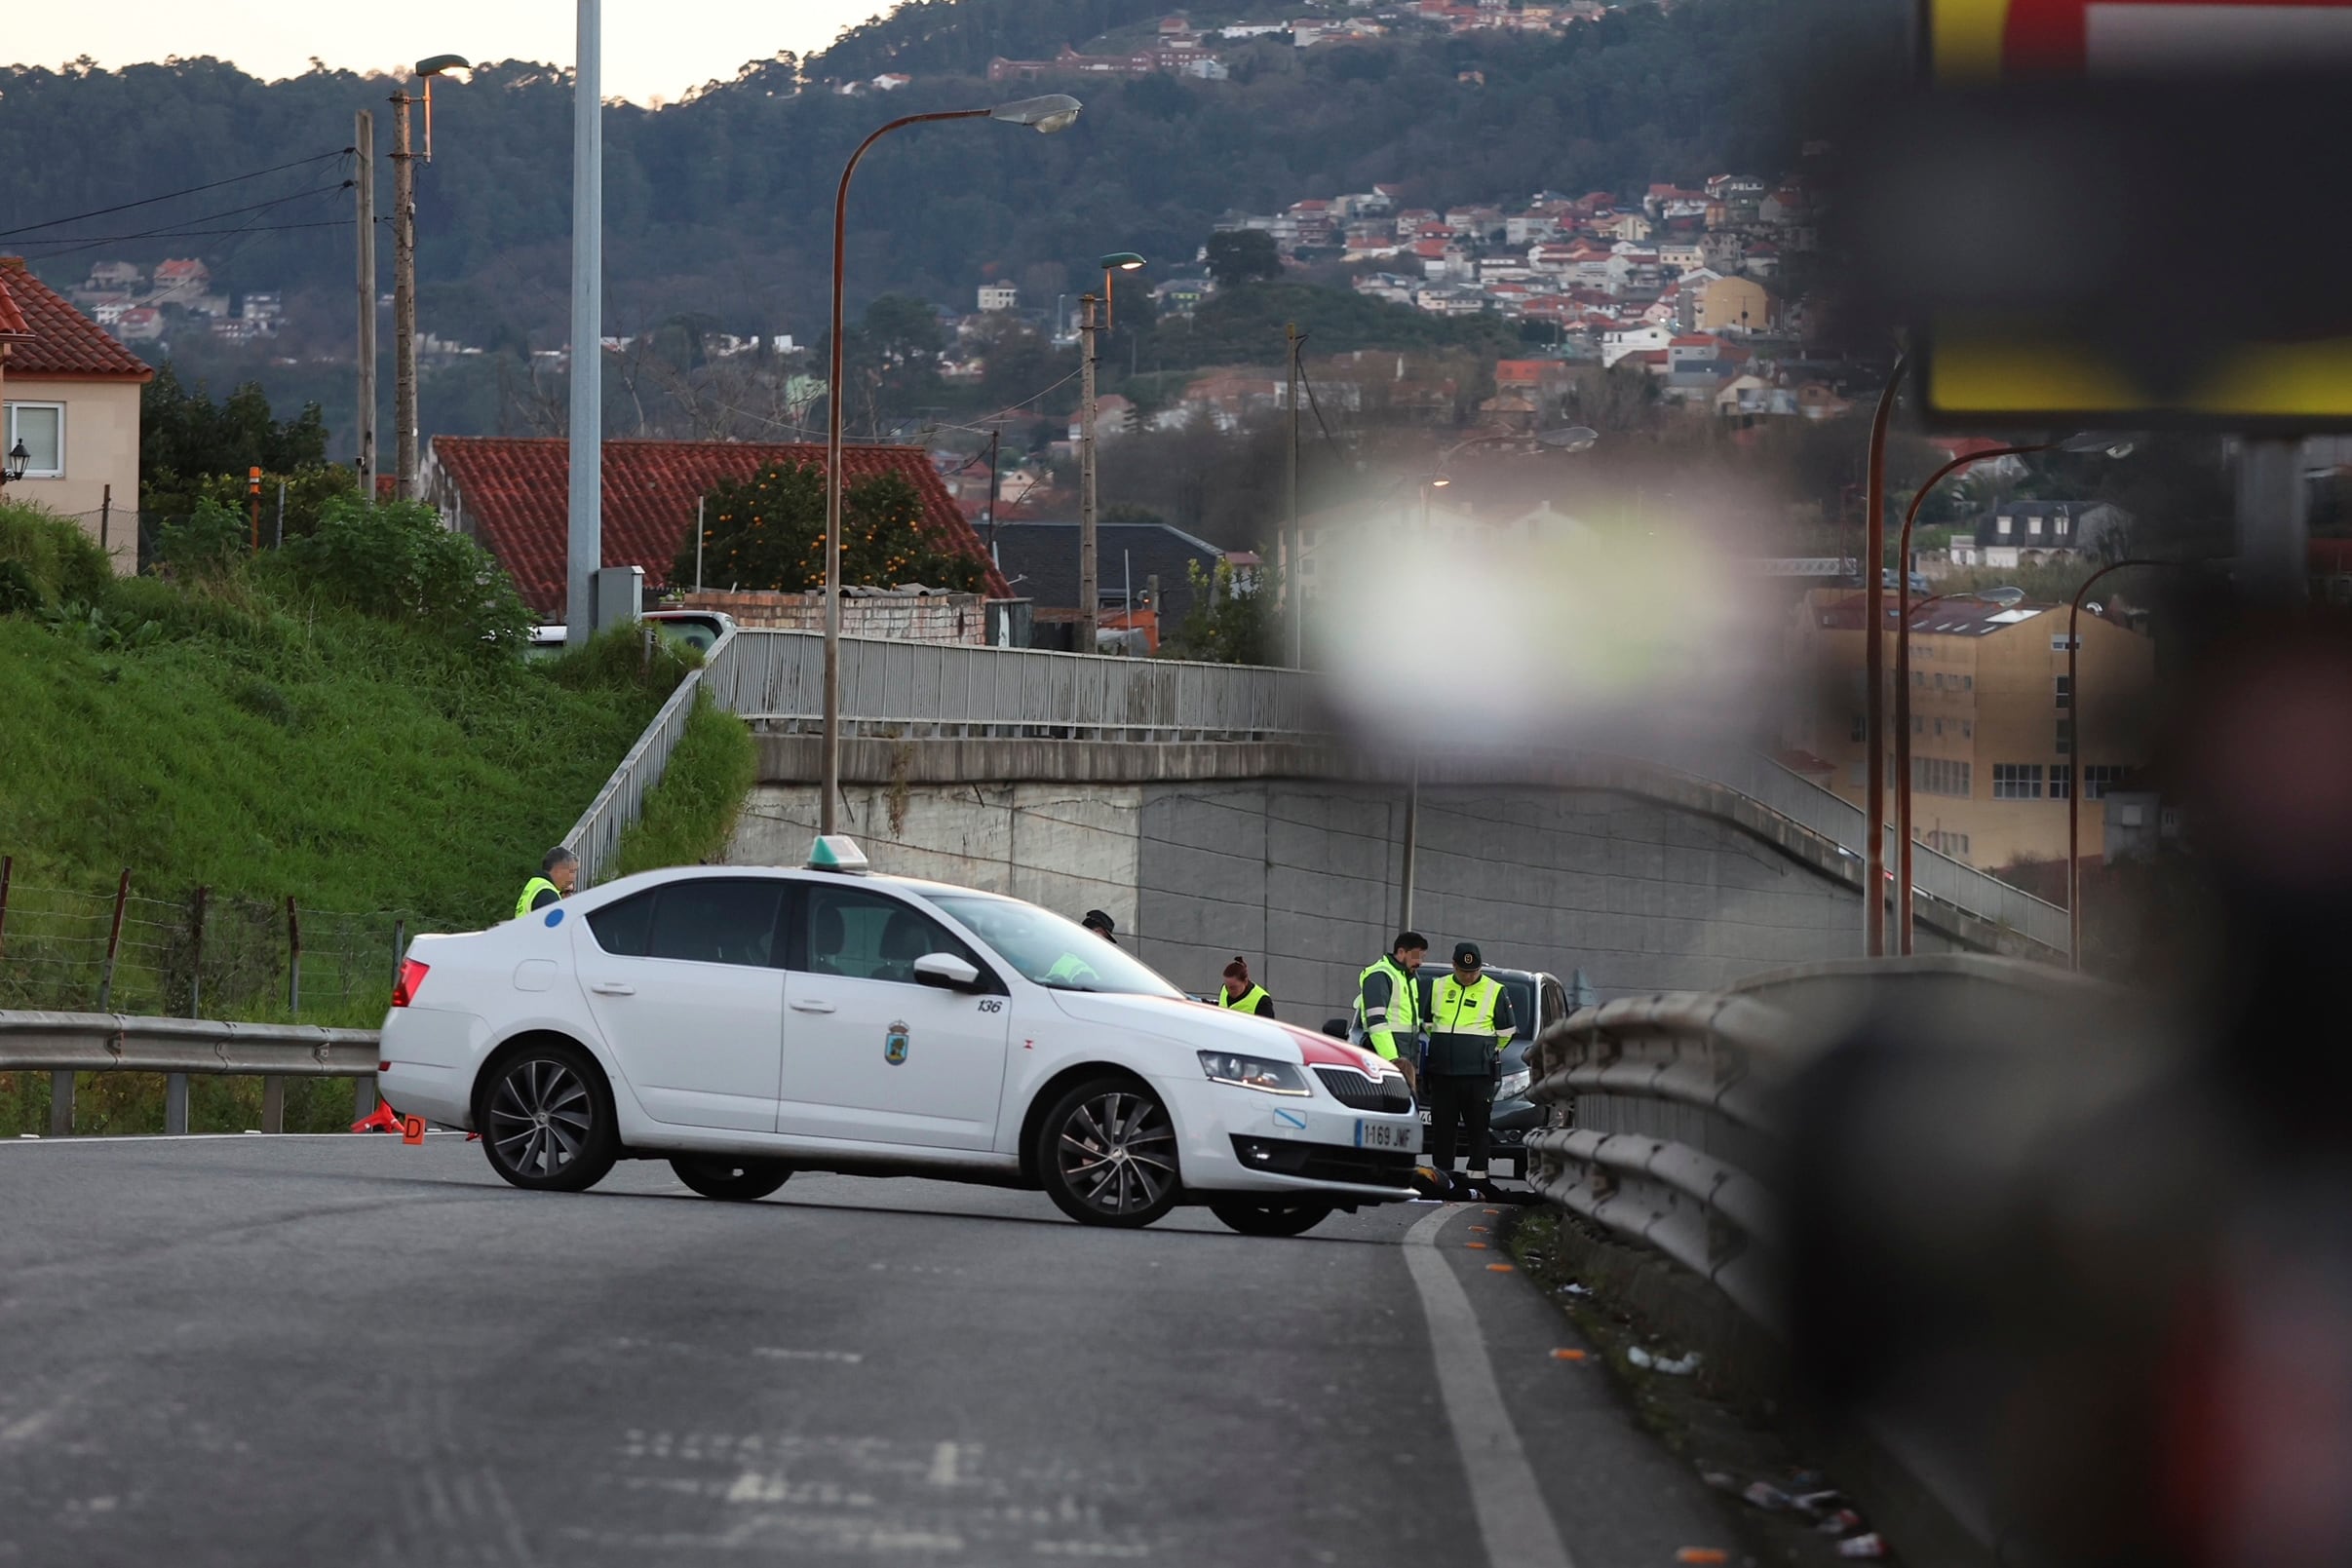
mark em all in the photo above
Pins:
pixel 383 1118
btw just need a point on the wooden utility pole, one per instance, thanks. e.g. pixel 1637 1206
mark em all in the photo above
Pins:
pixel 404 300
pixel 363 144
pixel 1088 599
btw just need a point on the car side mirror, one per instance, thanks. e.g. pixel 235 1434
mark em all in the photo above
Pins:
pixel 947 972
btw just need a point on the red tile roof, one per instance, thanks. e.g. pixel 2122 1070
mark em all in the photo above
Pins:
pixel 514 492
pixel 64 344
pixel 12 320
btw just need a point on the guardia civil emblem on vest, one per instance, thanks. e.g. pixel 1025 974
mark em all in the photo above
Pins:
pixel 894 1044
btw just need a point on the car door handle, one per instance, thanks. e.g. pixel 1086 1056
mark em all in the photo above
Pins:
pixel 613 989
pixel 812 1006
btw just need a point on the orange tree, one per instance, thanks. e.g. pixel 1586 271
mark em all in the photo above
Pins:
pixel 768 531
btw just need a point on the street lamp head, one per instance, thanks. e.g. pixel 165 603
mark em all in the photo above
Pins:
pixel 1439 481
pixel 1568 438
pixel 434 64
pixel 1124 260
pixel 18 460
pixel 2099 443
pixel 1056 111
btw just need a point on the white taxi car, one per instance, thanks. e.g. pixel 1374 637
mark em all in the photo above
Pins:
pixel 747 1022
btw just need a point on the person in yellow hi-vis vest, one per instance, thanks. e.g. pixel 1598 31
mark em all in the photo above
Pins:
pixel 1469 1022
pixel 558 873
pixel 1241 994
pixel 1388 1005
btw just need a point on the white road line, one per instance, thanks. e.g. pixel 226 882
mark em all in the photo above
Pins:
pixel 1513 1519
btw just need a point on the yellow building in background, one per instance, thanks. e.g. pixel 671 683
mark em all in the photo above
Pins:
pixel 1995 747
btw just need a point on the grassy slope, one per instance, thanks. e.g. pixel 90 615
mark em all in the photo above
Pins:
pixel 332 756
pixel 345 761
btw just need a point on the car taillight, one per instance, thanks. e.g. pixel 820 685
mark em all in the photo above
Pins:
pixel 412 976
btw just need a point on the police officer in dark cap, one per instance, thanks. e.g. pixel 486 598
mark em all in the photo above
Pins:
pixel 1099 924
pixel 1470 1021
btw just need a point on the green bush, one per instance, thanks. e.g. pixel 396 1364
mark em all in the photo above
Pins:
pixel 210 542
pixel 624 657
pixel 398 561
pixel 54 560
pixel 690 815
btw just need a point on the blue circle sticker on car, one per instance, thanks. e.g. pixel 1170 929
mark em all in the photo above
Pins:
pixel 555 917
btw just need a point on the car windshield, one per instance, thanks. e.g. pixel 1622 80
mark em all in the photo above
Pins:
pixel 1050 950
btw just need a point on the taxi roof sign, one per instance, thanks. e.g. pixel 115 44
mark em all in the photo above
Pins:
pixel 836 852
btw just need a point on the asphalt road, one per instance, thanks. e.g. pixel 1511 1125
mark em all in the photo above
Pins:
pixel 339 1349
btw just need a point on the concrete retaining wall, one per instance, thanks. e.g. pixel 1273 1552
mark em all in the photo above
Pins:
pixel 1301 877
pixel 900 614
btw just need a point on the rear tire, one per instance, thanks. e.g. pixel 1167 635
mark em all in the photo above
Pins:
pixel 1107 1154
pixel 1271 1219
pixel 547 1119
pixel 729 1179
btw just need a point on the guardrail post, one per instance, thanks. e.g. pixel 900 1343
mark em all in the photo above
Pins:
pixel 8 869
pixel 176 1104
pixel 60 1105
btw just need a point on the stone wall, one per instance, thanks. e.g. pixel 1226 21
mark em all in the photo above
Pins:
pixel 906 614
pixel 1302 877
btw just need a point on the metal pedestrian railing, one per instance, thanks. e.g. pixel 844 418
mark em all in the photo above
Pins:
pixel 907 689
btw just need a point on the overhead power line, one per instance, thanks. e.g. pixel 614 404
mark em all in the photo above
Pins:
pixel 149 201
pixel 172 231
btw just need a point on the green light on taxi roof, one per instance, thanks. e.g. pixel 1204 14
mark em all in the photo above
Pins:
pixel 836 852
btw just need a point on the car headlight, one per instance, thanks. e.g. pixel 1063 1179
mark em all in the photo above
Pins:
pixel 1253 1072
pixel 1513 1085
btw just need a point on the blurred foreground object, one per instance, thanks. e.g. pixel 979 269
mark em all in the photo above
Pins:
pixel 2111 1281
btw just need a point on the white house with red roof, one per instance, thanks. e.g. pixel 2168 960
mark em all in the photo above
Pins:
pixel 71 395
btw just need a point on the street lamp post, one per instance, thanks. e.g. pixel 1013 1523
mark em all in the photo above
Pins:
pixel 1874 676
pixel 2113 446
pixel 403 268
pixel 1048 114
pixel 1090 593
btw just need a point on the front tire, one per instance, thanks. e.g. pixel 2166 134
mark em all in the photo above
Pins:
pixel 1271 1218
pixel 547 1119
pixel 1107 1154
pixel 738 1181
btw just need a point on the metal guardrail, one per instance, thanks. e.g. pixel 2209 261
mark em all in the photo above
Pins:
pixel 63 1044
pixel 1671 1122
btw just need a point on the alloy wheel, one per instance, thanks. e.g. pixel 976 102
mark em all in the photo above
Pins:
pixel 540 1116
pixel 1117 1153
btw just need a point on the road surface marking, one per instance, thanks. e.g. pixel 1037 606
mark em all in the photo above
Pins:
pixel 1512 1519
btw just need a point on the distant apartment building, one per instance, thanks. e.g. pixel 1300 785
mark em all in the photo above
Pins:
pixel 1995 747
pixel 998 296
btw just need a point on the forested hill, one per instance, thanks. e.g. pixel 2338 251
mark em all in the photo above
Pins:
pixel 719 204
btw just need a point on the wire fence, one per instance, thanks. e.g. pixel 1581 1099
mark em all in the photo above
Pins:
pixel 198 954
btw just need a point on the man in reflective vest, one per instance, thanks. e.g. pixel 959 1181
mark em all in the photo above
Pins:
pixel 1239 994
pixel 1388 1004
pixel 559 872
pixel 1469 1022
